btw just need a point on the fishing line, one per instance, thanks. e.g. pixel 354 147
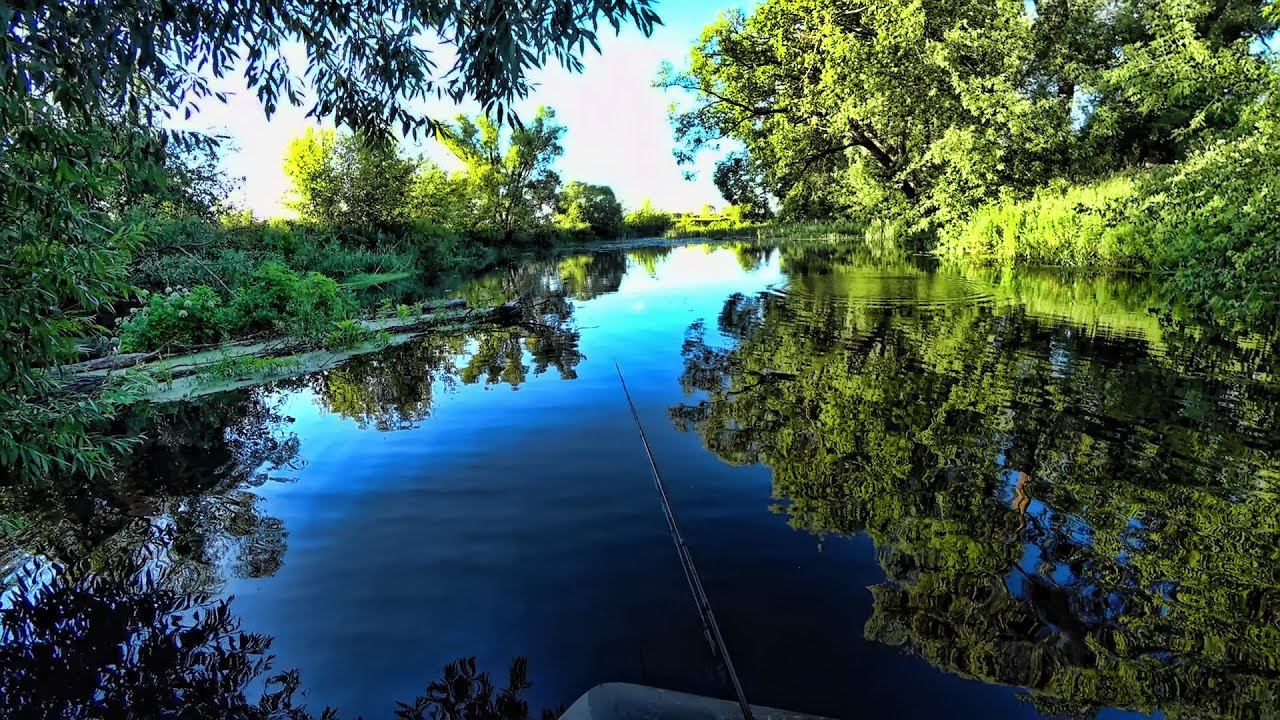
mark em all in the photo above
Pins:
pixel 710 628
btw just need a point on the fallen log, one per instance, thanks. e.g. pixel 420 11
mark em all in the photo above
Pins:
pixel 453 315
pixel 110 362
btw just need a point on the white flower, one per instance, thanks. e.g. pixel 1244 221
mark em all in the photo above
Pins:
pixel 182 313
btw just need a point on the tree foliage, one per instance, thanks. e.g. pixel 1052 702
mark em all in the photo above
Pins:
pixel 591 207
pixel 1206 222
pixel 86 90
pixel 936 107
pixel 510 178
pixel 741 183
pixel 347 179
pixel 366 65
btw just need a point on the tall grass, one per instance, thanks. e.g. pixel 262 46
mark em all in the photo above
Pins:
pixel 1210 225
pixel 1077 225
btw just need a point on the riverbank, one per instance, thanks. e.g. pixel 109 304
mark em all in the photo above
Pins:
pixel 318 323
pixel 240 364
pixel 1206 225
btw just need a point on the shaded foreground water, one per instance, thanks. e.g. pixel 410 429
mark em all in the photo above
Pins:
pixel 912 492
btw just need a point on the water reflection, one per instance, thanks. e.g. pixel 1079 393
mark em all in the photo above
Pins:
pixel 184 500
pixel 1055 506
pixel 1067 490
pixel 109 605
pixel 106 646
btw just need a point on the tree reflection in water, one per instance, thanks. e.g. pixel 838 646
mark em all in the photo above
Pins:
pixel 111 645
pixel 394 389
pixel 1091 516
pixel 109 606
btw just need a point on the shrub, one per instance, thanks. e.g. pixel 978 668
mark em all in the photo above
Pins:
pixel 1207 223
pixel 346 334
pixel 1214 226
pixel 647 221
pixel 176 318
pixel 302 305
pixel 1062 224
pixel 437 249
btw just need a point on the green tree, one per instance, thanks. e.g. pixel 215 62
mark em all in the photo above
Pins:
pixel 938 106
pixel 346 179
pixel 591 207
pixel 742 184
pixel 438 197
pixel 85 90
pixel 511 183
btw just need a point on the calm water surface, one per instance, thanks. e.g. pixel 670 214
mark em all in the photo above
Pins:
pixel 912 492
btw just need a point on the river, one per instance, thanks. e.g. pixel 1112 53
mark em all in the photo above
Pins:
pixel 912 492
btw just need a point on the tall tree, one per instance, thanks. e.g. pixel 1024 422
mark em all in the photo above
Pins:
pixel 939 105
pixel 349 179
pixel 512 184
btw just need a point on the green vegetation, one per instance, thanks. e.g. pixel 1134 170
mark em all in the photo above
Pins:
pixel 274 299
pixel 233 367
pixel 509 184
pixel 94 180
pixel 1067 501
pixel 1055 132
pixel 647 221
pixel 506 193
pixel 1208 223
pixel 589 208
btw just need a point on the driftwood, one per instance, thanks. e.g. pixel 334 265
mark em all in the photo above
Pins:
pixel 458 304
pixel 110 362
pixel 89 375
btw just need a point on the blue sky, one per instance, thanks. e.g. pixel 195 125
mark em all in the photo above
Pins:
pixel 618 133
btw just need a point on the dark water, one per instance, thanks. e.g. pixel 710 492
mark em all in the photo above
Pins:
pixel 912 492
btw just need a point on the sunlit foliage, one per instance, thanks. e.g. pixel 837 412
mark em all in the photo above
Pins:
pixel 510 181
pixel 1057 505
pixel 86 91
pixel 935 107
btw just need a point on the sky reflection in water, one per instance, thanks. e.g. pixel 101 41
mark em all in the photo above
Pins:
pixel 912 492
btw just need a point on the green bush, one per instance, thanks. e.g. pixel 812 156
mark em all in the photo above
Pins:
pixel 1207 224
pixel 346 334
pixel 301 305
pixel 176 318
pixel 439 250
pixel 647 221
pixel 1060 225
pixel 1215 227
pixel 189 252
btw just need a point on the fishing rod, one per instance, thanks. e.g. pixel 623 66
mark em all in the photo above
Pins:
pixel 710 628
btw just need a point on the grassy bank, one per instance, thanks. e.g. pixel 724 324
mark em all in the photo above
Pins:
pixel 202 282
pixel 1209 226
